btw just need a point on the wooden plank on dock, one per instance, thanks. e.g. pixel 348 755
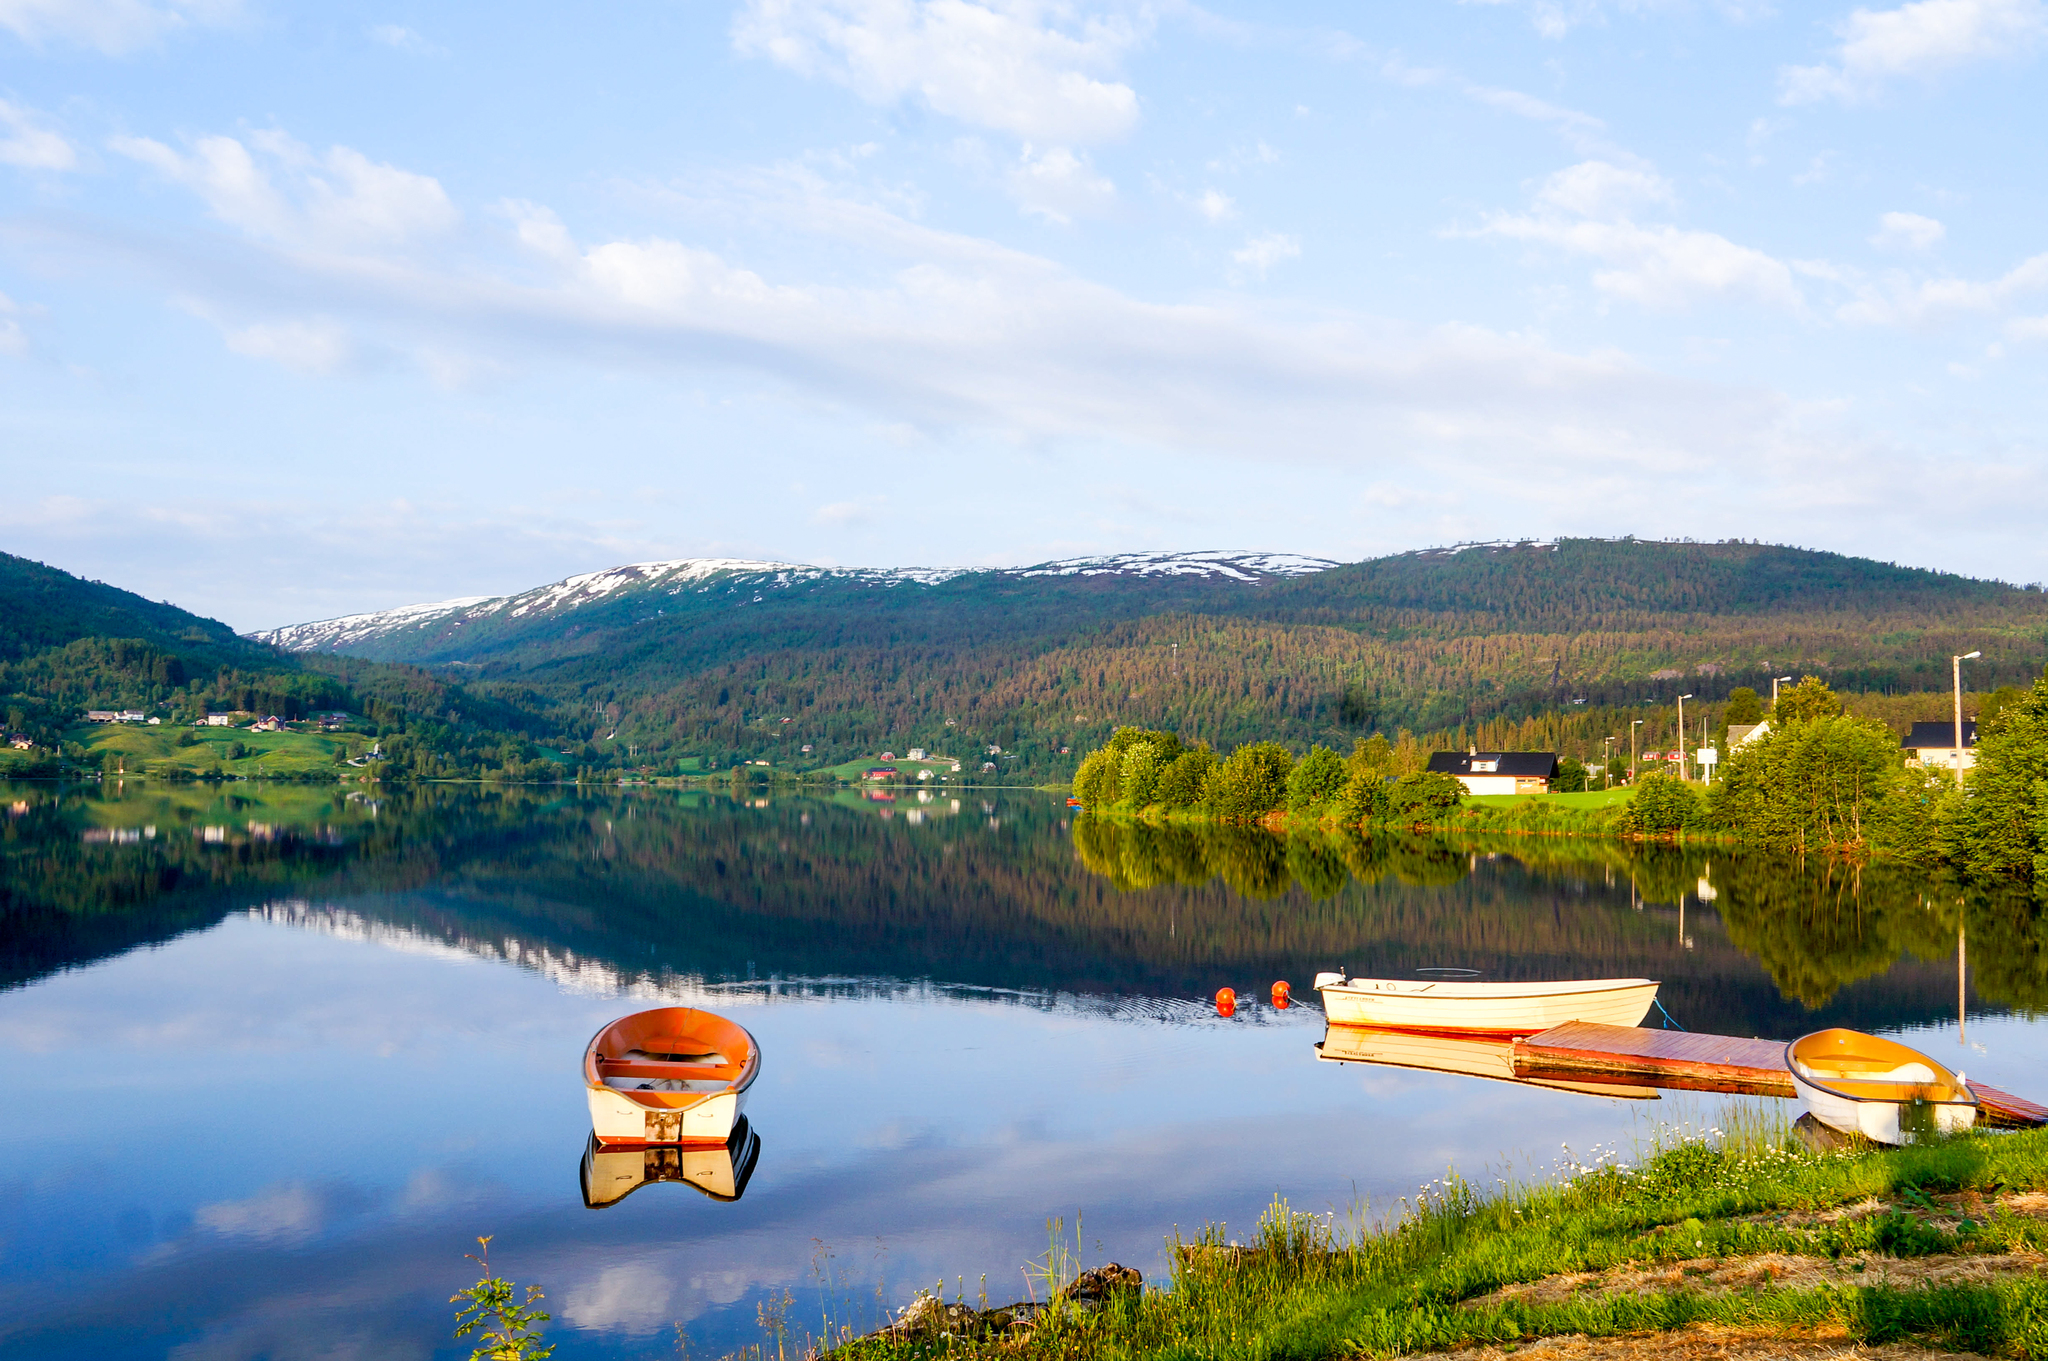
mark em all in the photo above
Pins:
pixel 1658 1058
pixel 1589 1052
pixel 2004 1110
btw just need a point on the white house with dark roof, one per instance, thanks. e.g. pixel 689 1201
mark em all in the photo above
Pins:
pixel 1934 744
pixel 1498 772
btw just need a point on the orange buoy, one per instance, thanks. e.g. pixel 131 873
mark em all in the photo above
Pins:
pixel 1280 993
pixel 1226 1001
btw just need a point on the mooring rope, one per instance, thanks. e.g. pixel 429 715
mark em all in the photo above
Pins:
pixel 1669 1024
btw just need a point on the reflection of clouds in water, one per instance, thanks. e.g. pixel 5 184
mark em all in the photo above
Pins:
pixel 288 1214
pixel 632 1297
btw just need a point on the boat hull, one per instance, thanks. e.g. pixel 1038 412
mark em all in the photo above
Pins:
pixel 1863 1084
pixel 611 1172
pixel 1485 1008
pixel 673 1075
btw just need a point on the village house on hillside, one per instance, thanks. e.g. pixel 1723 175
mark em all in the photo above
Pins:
pixel 1498 772
pixel 1934 744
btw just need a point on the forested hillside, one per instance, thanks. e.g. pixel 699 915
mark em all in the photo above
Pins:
pixel 1560 644
pixel 68 645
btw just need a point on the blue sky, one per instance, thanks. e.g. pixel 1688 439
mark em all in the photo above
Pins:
pixel 317 309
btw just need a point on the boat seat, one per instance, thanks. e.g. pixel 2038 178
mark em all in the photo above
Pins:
pixel 719 1069
pixel 1867 1071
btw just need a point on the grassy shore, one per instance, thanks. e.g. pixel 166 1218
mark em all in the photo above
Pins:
pixel 1752 1241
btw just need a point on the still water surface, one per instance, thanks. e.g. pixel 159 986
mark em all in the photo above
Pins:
pixel 269 1063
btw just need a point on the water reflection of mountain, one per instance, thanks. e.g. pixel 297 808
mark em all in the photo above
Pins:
pixel 655 884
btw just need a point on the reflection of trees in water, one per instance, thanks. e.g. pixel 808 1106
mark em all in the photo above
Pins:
pixel 1816 925
pixel 1820 925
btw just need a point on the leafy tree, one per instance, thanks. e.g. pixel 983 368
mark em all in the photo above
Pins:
pixel 1808 700
pixel 1252 782
pixel 1099 781
pixel 1185 782
pixel 1744 706
pixel 1996 703
pixel 1571 776
pixel 1316 781
pixel 2000 832
pixel 1372 756
pixel 1363 799
pixel 1811 782
pixel 1663 804
pixel 1142 764
pixel 1424 795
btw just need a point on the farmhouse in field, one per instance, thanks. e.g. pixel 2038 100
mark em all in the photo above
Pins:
pixel 1934 744
pixel 1498 772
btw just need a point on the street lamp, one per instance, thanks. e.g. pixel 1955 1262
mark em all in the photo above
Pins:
pixel 1774 689
pixel 1957 663
pixel 1681 735
pixel 1633 725
pixel 1606 763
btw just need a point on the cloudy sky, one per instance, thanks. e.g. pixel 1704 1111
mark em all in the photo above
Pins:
pixel 309 309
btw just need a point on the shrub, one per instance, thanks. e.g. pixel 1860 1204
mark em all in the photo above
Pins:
pixel 1253 782
pixel 1099 780
pixel 1424 795
pixel 1663 804
pixel 1571 776
pixel 1316 781
pixel 1185 782
pixel 1142 764
pixel 1816 781
pixel 1363 799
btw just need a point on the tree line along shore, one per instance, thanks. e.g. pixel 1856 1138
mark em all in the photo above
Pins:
pixel 1818 779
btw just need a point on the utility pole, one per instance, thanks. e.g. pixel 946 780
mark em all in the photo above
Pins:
pixel 1957 663
pixel 1681 735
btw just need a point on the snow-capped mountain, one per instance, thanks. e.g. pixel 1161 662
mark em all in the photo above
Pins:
pixel 660 588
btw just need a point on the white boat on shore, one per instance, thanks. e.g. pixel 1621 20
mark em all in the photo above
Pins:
pixel 673 1075
pixel 1457 1006
pixel 1878 1088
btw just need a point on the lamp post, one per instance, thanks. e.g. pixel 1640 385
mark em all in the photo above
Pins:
pixel 1633 725
pixel 1957 663
pixel 1774 689
pixel 1681 735
pixel 1606 763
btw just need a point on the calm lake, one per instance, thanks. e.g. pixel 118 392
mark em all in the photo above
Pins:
pixel 272 1058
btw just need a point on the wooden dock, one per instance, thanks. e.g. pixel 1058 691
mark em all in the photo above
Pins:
pixel 1585 1051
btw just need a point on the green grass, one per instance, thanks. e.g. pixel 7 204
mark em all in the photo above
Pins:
pixel 267 753
pixel 1305 1287
pixel 906 771
pixel 1592 798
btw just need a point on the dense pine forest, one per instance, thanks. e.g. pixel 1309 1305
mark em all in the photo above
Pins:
pixel 1555 646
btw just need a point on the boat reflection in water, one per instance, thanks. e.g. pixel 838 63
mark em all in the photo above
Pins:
pixel 721 1171
pixel 1467 1055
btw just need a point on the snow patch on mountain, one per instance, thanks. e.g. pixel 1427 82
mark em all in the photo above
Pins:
pixel 738 575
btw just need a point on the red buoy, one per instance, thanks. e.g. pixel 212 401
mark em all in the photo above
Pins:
pixel 1226 1001
pixel 1280 993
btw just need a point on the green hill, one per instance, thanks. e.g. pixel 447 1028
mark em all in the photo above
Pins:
pixel 1514 645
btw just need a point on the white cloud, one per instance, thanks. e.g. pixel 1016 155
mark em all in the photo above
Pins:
pixel 283 193
pixel 317 346
pixel 1914 42
pixel 1907 231
pixel 1896 299
pixel 2027 328
pixel 284 1214
pixel 13 339
pixel 1020 66
pixel 30 145
pixel 1059 184
pixel 1216 205
pixel 1261 253
pixel 402 38
pixel 1588 209
pixel 112 26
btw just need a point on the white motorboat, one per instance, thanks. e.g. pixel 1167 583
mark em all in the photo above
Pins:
pixel 1460 1007
pixel 1470 1055
pixel 1878 1088
pixel 673 1075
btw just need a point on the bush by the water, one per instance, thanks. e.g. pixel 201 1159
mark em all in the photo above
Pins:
pixel 1663 805
pixel 1425 795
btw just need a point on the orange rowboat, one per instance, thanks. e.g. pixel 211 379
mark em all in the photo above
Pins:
pixel 674 1075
